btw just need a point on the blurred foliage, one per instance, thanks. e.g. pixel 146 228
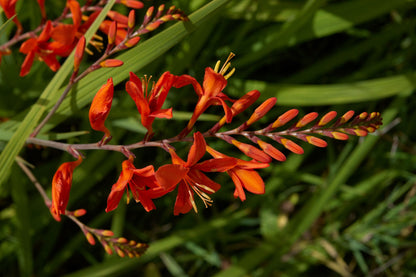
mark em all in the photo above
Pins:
pixel 345 210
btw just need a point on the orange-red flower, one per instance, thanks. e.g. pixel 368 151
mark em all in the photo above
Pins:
pixel 243 175
pixel 100 108
pixel 142 183
pixel 149 104
pixel 65 36
pixel 61 185
pixel 39 48
pixel 190 177
pixel 210 93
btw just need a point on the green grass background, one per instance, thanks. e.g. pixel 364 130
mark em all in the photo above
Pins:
pixel 346 210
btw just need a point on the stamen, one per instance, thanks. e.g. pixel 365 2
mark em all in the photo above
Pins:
pixel 205 198
pixel 229 74
pixel 191 199
pixel 217 66
pixel 89 52
pixel 227 63
pixel 205 187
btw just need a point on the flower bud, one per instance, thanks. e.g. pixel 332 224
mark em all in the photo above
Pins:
pixel 111 63
pixel 79 53
pixel 262 110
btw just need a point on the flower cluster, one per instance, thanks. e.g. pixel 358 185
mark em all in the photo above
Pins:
pixel 190 177
pixel 57 38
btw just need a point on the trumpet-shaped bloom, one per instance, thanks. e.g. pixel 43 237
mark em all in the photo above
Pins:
pixel 243 175
pixel 64 38
pixel 39 48
pixel 142 183
pixel 210 93
pixel 61 185
pixel 189 176
pixel 149 103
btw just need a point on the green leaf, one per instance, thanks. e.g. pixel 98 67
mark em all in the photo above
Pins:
pixel 314 95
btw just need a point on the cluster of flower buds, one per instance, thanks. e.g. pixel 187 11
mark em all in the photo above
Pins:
pixel 190 177
pixel 54 38
pixel 122 246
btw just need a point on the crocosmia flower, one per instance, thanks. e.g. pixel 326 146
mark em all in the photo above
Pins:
pixel 189 176
pixel 39 48
pixel 142 183
pixel 149 103
pixel 61 185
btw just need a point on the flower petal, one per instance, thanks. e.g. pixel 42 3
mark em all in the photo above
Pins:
pixel 163 113
pixel 169 175
pixel 214 83
pixel 100 107
pixel 61 186
pixel 250 179
pixel 197 150
pixel 203 181
pixel 160 91
pixel 216 165
pixel 184 200
pixel 136 93
pixel 118 188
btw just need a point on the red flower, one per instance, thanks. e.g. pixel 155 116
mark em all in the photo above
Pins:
pixel 149 104
pixel 243 175
pixel 210 93
pixel 61 185
pixel 100 108
pixel 39 48
pixel 138 180
pixel 190 177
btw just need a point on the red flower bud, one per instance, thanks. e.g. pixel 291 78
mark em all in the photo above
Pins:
pixel 112 32
pixel 111 63
pixel 252 152
pixel 131 19
pixel 308 118
pixel 327 118
pixel 261 110
pixel 285 118
pixel 79 53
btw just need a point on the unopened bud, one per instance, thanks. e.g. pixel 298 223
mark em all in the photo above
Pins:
pixel 131 19
pixel 308 118
pixel 111 63
pixel 285 118
pixel 290 145
pixel 148 15
pixel 327 118
pixel 79 53
pixel 132 4
pixel 252 152
pixel 262 110
pixel 79 212
pixel 160 11
pixel 90 238
pixel 271 151
pixel 112 33
pixel 132 42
